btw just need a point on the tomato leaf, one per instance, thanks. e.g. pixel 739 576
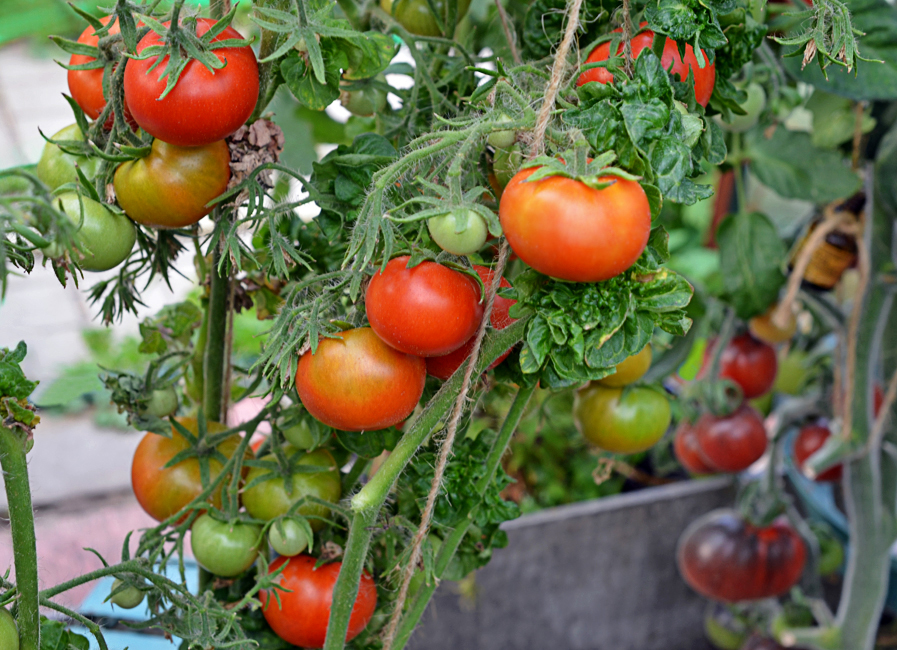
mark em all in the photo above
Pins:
pixel 751 255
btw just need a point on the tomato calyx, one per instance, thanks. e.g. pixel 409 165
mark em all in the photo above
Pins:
pixel 596 174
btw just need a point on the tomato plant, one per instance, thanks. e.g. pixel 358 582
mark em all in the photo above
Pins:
pixel 171 186
pixel 621 421
pixel 728 559
pixel 163 491
pixel 57 167
pixel 731 443
pixel 428 310
pixel 809 439
pixel 314 475
pixel 224 97
pixel 565 229
pixel 224 548
pixel 704 76
pixel 104 239
pixel 355 381
pixel 301 617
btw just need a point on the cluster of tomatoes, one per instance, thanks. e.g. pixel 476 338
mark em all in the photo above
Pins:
pixel 189 162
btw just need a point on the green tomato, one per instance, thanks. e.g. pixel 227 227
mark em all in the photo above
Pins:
pixel 502 139
pixel 56 167
pixel 621 422
pixel 162 402
pixel 753 107
pixel 723 630
pixel 9 633
pixel 506 163
pixel 288 537
pixel 417 18
pixel 105 238
pixel 363 101
pixel 300 436
pixel 127 598
pixel 791 373
pixel 460 233
pixel 222 548
pixel 269 499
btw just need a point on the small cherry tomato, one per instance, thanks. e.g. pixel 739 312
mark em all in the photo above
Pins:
pixel 204 106
pixel 124 596
pixel 170 187
pixel 750 363
pixel 731 443
pixel 688 451
pixel 288 537
pixel 428 310
pixel 162 402
pixel 621 422
pixel 728 559
pixel 302 615
pixel 223 548
pixel 567 230
pixel 629 370
pixel 705 77
pixel 807 443
pixel 356 382
pixel 462 234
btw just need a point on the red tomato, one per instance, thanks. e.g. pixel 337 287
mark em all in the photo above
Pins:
pixel 732 443
pixel 356 382
pixel 563 228
pixel 163 491
pixel 86 86
pixel 302 616
pixel 203 107
pixel 705 77
pixel 688 452
pixel 429 310
pixel 445 366
pixel 808 441
pixel 726 558
pixel 751 364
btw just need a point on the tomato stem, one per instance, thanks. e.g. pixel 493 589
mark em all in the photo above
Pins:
pixel 214 361
pixel 21 521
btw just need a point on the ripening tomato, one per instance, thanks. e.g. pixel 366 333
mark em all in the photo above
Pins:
pixel 630 369
pixel 726 558
pixel 204 106
pixel 224 548
pixel 688 451
pixel 565 229
pixel 356 382
pixel 731 443
pixel 705 77
pixel 445 366
pixel 163 491
pixel 417 17
pixel 57 167
pixel 105 239
pixel 621 422
pixel 301 617
pixel 429 310
pixel 807 443
pixel 171 186
pixel 86 86
pixel 750 363
pixel 269 499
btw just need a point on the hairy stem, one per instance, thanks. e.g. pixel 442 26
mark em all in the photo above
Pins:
pixel 214 360
pixel 268 70
pixel 21 521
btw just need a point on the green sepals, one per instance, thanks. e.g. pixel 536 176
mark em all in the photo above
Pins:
pixel 751 254
pixel 74 47
pixel 439 200
pixel 579 168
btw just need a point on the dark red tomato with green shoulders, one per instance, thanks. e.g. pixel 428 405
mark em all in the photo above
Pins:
pixel 808 442
pixel 356 382
pixel 301 617
pixel 726 558
pixel 163 491
pixel 428 310
pixel 171 186
pixel 567 230
pixel 445 366
pixel 86 86
pixel 688 451
pixel 204 106
pixel 705 77
pixel 224 548
pixel 731 443
pixel 751 364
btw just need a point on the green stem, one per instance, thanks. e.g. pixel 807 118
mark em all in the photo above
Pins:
pixel 371 497
pixel 21 521
pixel 737 162
pixel 214 360
pixel 454 539
pixel 350 9
pixel 268 70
